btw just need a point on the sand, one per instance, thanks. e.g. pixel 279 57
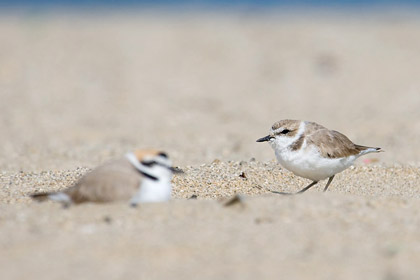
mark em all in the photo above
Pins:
pixel 79 89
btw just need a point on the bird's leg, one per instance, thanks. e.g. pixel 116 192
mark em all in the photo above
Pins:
pixel 309 186
pixel 328 183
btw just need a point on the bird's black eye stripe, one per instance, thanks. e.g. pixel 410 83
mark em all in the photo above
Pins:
pixel 162 154
pixel 285 131
pixel 152 163
pixel 151 177
pixel 148 163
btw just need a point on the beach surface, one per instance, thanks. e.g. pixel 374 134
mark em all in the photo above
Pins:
pixel 78 89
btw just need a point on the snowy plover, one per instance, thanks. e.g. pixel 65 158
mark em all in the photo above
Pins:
pixel 312 151
pixel 142 176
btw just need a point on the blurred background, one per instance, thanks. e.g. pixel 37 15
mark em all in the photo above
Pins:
pixel 84 81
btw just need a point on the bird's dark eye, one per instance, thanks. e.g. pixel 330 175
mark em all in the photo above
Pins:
pixel 285 131
pixel 148 163
pixel 162 154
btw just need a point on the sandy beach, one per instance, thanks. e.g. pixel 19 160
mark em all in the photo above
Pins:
pixel 79 89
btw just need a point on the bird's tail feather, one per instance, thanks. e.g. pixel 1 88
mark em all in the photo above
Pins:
pixel 40 196
pixel 366 150
pixel 56 196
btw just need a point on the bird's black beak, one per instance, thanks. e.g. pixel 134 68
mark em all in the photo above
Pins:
pixel 176 170
pixel 266 138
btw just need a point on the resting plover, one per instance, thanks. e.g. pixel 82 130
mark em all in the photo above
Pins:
pixel 142 176
pixel 312 151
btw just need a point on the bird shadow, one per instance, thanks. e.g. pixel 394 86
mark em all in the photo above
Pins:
pixel 282 193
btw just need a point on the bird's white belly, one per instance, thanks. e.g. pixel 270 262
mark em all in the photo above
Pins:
pixel 309 163
pixel 153 192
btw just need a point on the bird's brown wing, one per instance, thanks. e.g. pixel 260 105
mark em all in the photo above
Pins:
pixel 333 144
pixel 114 181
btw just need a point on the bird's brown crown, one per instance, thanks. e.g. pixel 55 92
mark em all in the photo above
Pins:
pixel 148 153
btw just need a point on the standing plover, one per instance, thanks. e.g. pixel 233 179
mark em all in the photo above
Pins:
pixel 312 151
pixel 142 176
